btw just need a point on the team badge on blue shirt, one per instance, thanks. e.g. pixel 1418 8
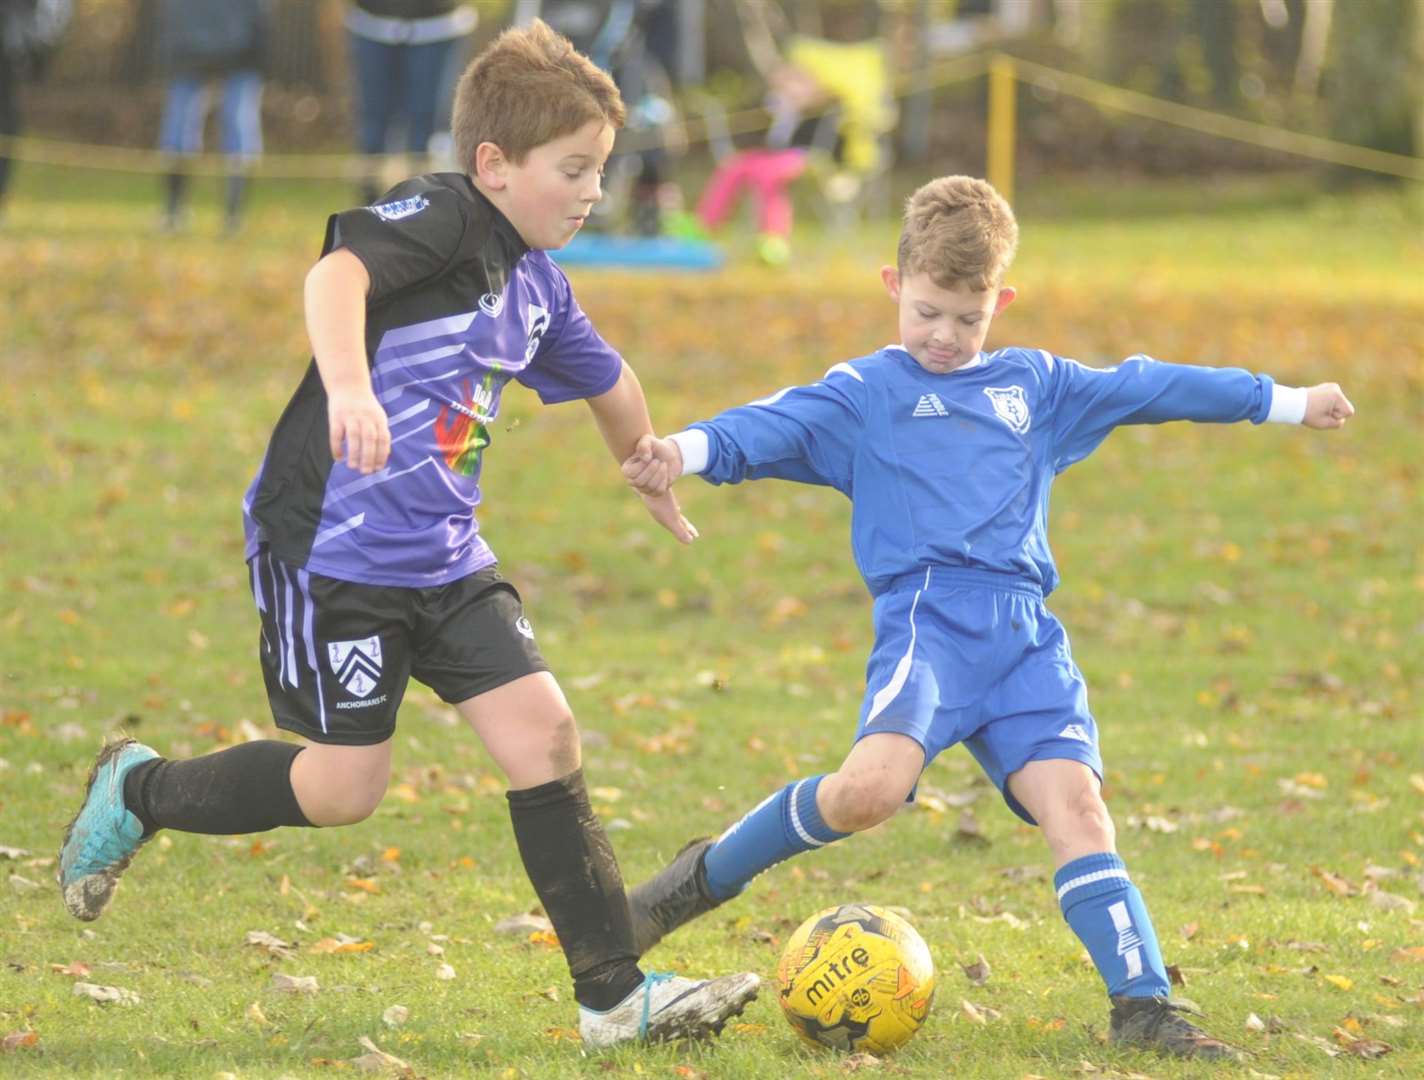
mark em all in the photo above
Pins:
pixel 1010 406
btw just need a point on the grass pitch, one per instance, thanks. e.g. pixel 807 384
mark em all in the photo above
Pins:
pixel 1245 603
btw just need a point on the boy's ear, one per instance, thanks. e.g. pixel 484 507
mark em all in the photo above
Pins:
pixel 1006 297
pixel 890 278
pixel 490 164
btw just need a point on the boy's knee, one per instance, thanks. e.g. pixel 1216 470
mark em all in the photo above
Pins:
pixel 342 804
pixel 1083 818
pixel 858 802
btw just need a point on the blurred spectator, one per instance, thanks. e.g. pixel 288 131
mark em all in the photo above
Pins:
pixel 30 31
pixel 200 42
pixel 831 111
pixel 406 56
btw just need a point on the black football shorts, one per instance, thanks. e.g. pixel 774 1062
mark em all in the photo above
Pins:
pixel 336 655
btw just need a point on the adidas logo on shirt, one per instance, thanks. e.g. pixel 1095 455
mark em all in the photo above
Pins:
pixel 930 405
pixel 1075 731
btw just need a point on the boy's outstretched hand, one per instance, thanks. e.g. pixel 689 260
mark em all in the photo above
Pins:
pixel 668 514
pixel 653 466
pixel 1326 407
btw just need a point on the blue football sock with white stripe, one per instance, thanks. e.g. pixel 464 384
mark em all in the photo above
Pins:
pixel 785 824
pixel 1106 911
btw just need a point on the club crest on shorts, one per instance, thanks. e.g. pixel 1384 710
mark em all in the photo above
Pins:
pixel 357 664
pixel 522 625
pixel 1010 405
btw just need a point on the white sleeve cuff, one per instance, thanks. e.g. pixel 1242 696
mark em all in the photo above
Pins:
pixel 693 444
pixel 1287 405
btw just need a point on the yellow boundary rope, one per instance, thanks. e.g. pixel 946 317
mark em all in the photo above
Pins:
pixel 1116 98
pixel 1104 95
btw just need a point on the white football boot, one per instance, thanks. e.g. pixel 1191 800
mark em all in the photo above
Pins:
pixel 669 1007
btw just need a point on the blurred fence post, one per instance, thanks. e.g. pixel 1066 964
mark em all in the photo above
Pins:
pixel 1002 90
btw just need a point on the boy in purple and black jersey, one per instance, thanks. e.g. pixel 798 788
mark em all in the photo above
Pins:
pixel 366 562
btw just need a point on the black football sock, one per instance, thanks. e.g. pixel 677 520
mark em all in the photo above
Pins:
pixel 570 863
pixel 234 192
pixel 175 193
pixel 244 789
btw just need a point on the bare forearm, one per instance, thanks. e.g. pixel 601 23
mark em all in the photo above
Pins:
pixel 335 304
pixel 622 415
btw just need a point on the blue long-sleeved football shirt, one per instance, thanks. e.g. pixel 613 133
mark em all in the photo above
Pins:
pixel 956 469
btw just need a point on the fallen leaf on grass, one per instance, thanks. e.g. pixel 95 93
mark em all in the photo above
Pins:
pixel 295 984
pixel 19 1040
pixel 1340 982
pixel 283 950
pixel 341 944
pixel 376 1060
pixel 76 969
pixel 522 924
pixel 1359 1047
pixel 1254 1023
pixel 977 972
pixel 547 938
pixel 562 1033
pixel 1319 1043
pixel 24 885
pixel 687 1072
pixel 395 1016
pixel 255 1015
pixel 12 853
pixel 856 1062
pixel 1334 882
pixel 106 995
pixel 978 1014
pixel 1387 901
pixel 444 973
pixel 370 885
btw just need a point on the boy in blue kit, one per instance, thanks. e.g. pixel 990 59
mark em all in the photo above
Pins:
pixel 366 563
pixel 948 455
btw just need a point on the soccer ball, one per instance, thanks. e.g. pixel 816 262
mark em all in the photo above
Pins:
pixel 856 977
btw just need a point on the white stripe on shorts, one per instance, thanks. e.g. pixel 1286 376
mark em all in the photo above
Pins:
pixel 887 692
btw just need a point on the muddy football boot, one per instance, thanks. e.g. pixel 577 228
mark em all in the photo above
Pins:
pixel 1157 1023
pixel 104 835
pixel 675 895
pixel 669 1007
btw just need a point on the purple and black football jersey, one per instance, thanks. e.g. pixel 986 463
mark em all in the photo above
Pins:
pixel 458 306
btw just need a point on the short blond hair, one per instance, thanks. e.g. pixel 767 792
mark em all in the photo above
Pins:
pixel 528 87
pixel 960 232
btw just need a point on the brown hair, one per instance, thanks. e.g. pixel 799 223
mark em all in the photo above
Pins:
pixel 960 231
pixel 528 87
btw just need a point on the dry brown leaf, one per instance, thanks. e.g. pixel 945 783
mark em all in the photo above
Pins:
pixel 76 969
pixel 522 924
pixel 255 1015
pixel 1334 882
pixel 19 1040
pixel 377 1061
pixel 107 995
pixel 272 944
pixel 856 1062
pixel 294 984
pixel 1358 1047
pixel 977 972
pixel 395 1016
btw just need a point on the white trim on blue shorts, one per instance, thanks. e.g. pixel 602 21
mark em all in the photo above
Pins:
pixel 888 692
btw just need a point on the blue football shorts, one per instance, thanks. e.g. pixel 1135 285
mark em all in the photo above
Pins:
pixel 974 657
